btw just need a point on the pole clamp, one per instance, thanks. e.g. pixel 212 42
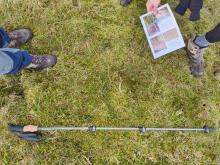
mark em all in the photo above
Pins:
pixel 92 128
pixel 142 129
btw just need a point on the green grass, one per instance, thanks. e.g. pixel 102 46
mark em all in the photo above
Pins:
pixel 106 76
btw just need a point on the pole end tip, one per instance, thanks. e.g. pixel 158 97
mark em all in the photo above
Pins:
pixel 18 130
pixel 208 129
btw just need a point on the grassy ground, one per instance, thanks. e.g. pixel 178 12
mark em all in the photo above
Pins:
pixel 106 76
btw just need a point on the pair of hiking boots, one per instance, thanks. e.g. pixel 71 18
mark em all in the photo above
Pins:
pixel 195 53
pixel 22 36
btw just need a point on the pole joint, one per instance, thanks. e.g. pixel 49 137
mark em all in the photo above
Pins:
pixel 142 129
pixel 92 128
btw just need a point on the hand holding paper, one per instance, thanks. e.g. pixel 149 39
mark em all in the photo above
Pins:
pixel 152 5
pixel 162 31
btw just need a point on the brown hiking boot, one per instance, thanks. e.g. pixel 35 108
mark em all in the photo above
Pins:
pixel 19 36
pixel 196 60
pixel 42 61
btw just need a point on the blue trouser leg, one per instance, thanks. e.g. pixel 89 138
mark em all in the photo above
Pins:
pixel 19 59
pixel 4 38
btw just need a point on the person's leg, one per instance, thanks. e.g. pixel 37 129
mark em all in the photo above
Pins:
pixel 210 37
pixel 195 7
pixel 182 7
pixel 21 59
pixel 6 63
pixel 196 47
pixel 125 2
pixel 213 35
pixel 4 38
pixel 14 60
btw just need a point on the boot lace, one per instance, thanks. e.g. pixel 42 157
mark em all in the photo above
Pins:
pixel 38 60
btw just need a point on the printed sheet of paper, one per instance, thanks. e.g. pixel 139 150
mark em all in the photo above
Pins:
pixel 162 31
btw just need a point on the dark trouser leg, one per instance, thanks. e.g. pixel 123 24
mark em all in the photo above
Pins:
pixel 213 35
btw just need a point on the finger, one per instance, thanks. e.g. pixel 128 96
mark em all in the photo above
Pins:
pixel 152 9
pixel 148 8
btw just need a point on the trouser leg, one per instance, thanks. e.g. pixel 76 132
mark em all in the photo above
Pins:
pixel 210 37
pixel 21 59
pixel 4 38
pixel 213 35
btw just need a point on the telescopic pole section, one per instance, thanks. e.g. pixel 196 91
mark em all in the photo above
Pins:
pixel 142 129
